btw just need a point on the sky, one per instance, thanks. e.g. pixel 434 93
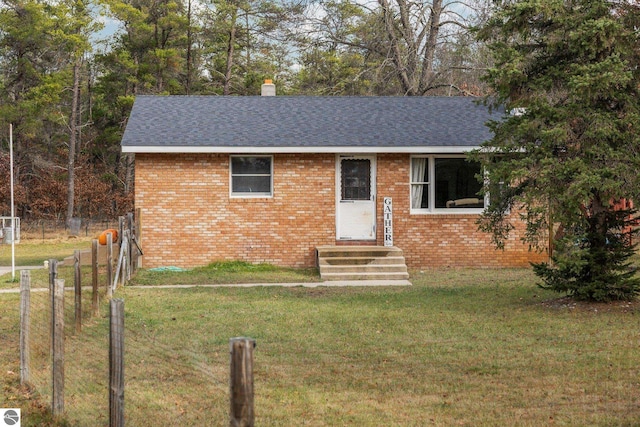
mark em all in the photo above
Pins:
pixel 101 39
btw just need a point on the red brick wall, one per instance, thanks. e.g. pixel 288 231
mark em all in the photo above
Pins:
pixel 188 218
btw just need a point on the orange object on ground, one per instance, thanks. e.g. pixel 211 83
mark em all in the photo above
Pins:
pixel 102 239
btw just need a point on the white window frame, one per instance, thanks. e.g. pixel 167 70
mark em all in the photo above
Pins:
pixel 240 195
pixel 430 184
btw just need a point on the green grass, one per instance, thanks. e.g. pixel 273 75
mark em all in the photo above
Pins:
pixel 215 273
pixel 36 251
pixel 461 347
pixel 226 272
pixel 33 252
pixel 40 277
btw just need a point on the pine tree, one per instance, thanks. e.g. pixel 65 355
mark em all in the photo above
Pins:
pixel 569 70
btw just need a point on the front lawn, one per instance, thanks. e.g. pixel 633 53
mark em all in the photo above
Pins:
pixel 459 347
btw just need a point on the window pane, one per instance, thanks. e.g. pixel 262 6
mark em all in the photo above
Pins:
pixel 251 184
pixel 456 184
pixel 419 175
pixel 419 169
pixel 356 179
pixel 250 165
pixel 419 196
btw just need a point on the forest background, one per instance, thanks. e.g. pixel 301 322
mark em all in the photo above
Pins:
pixel 68 82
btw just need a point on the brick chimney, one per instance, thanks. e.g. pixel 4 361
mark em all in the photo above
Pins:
pixel 268 88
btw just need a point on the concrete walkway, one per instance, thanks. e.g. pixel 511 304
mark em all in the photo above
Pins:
pixel 331 283
pixel 334 283
pixel 7 269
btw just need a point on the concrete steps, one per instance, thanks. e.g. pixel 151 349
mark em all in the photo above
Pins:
pixel 361 263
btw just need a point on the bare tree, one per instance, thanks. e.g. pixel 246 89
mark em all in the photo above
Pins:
pixel 408 35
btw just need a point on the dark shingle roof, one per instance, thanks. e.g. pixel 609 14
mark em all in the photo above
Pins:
pixel 301 123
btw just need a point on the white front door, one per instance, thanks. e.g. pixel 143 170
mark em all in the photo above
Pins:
pixel 356 197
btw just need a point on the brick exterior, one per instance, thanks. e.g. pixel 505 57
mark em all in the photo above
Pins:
pixel 188 218
pixel 442 240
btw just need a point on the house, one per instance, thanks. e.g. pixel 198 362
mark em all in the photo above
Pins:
pixel 272 178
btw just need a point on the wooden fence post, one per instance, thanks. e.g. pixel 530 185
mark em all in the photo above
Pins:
pixel 77 288
pixel 25 326
pixel 109 265
pixel 121 228
pixel 137 235
pixel 122 258
pixel 122 243
pixel 125 258
pixel 57 339
pixel 241 382
pixel 94 276
pixel 116 363
pixel 121 264
pixel 130 227
pixel 53 276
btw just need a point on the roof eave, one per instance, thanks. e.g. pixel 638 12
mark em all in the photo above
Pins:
pixel 296 150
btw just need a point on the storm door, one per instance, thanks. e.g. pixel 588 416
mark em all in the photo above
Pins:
pixel 356 197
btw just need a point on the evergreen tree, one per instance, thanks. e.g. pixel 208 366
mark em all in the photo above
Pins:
pixel 568 72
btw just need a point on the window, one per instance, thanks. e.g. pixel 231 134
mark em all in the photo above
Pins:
pixel 251 176
pixel 445 184
pixel 356 179
pixel 420 183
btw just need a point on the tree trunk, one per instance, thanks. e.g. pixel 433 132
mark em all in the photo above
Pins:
pixel 396 53
pixel 412 45
pixel 159 77
pixel 248 47
pixel 129 172
pixel 73 132
pixel 430 47
pixel 189 54
pixel 598 226
pixel 230 50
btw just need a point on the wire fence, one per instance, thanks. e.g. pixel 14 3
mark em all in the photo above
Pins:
pixel 85 354
pixel 170 384
pixel 64 346
pixel 39 341
pixel 45 229
pixel 165 382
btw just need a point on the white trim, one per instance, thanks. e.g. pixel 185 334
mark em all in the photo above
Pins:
pixel 292 150
pixel 441 211
pixel 431 168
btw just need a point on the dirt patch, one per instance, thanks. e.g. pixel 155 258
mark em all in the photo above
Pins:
pixel 569 303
